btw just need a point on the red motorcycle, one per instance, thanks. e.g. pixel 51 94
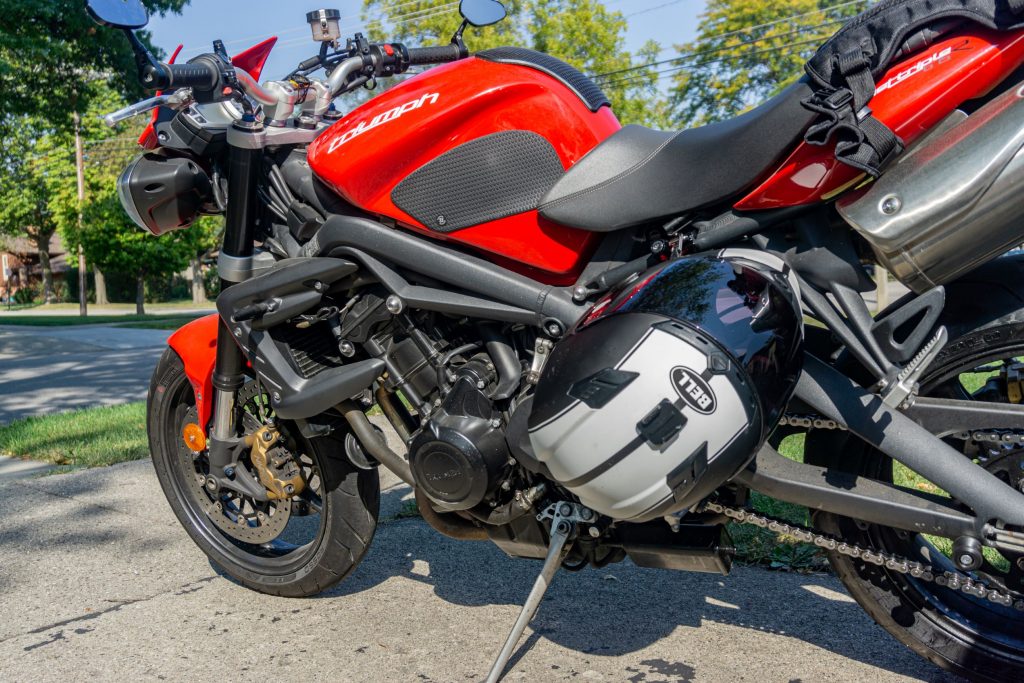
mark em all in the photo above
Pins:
pixel 592 338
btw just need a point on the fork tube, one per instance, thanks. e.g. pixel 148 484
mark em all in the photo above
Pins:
pixel 239 232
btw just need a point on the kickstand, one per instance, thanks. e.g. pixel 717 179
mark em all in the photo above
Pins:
pixel 564 517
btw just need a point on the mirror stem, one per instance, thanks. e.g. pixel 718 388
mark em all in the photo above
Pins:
pixel 150 74
pixel 457 38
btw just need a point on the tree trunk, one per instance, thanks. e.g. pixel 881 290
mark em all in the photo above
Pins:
pixel 198 290
pixel 100 284
pixel 140 295
pixel 43 245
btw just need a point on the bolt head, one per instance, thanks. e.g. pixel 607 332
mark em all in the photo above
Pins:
pixel 238 331
pixel 594 532
pixel 276 396
pixel 394 305
pixel 267 436
pixel 289 489
pixel 229 471
pixel 891 205
pixel 565 509
pixel 966 560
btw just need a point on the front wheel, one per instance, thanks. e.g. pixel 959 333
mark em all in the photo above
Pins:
pixel 293 546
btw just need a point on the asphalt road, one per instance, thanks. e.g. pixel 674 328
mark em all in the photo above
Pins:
pixel 98 582
pixel 56 369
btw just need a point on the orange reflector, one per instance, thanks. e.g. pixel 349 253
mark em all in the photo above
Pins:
pixel 194 437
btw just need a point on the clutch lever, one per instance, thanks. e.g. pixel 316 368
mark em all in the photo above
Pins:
pixel 179 99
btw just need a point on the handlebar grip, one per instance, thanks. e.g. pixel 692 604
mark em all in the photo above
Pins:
pixel 435 55
pixel 200 75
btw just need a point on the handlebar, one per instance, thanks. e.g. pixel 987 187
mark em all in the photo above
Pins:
pixel 441 54
pixel 199 74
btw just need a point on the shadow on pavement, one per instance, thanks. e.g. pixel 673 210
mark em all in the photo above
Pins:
pixel 622 608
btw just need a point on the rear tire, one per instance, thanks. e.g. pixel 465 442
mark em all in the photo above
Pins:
pixel 349 499
pixel 977 640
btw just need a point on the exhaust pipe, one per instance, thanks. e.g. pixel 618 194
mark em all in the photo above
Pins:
pixel 953 202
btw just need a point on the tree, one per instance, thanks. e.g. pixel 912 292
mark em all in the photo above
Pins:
pixel 584 33
pixel 205 236
pixel 746 51
pixel 34 163
pixel 47 43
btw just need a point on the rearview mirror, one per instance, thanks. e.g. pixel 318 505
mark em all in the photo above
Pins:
pixel 128 14
pixel 482 12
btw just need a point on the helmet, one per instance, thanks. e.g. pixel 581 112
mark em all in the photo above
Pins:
pixel 668 388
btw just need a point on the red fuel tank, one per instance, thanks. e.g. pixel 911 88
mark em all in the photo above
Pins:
pixel 466 151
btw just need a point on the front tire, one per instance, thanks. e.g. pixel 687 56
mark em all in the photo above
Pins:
pixel 335 538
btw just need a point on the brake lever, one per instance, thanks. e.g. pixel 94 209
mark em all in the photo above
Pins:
pixel 176 100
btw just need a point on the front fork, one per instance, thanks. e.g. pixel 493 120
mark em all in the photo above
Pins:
pixel 234 265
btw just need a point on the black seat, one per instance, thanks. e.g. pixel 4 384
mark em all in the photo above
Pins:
pixel 639 175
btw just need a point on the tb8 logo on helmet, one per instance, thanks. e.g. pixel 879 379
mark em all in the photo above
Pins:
pixel 692 388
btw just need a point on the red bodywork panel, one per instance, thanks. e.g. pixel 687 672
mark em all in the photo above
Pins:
pixel 366 154
pixel 196 345
pixel 911 98
pixel 251 60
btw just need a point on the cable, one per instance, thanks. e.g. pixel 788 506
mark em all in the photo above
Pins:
pixel 651 9
pixel 746 29
pixel 673 70
pixel 708 51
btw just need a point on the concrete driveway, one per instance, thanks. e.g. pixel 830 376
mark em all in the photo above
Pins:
pixel 55 369
pixel 98 582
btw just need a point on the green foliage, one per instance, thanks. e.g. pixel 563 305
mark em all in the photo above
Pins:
pixel 84 438
pixel 584 33
pixel 746 51
pixel 54 42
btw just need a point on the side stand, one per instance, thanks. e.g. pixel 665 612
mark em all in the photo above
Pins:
pixel 564 517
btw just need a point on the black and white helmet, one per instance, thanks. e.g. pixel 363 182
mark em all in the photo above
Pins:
pixel 668 388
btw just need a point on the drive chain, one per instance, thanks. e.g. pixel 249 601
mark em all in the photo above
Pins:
pixel 952 580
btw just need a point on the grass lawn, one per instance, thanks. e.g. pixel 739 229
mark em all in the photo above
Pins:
pixel 151 322
pixel 93 437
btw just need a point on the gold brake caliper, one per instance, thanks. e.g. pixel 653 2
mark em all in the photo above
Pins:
pixel 278 472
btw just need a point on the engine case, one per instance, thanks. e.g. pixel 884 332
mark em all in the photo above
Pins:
pixel 459 457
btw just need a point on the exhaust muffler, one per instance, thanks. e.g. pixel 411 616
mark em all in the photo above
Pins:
pixel 952 203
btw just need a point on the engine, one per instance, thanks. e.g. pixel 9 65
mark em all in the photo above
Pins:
pixel 460 457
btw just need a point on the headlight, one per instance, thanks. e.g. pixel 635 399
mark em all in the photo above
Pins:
pixel 162 193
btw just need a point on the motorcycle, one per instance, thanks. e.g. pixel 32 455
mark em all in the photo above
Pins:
pixel 592 338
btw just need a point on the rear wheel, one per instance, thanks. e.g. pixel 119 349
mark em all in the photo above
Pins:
pixel 309 538
pixel 971 636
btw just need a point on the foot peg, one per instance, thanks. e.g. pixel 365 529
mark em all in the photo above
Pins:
pixel 902 392
pixel 564 520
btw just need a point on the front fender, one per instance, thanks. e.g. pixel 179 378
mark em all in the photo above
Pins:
pixel 196 345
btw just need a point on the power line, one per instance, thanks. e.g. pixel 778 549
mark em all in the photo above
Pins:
pixel 190 50
pixel 753 41
pixel 652 9
pixel 674 69
pixel 769 24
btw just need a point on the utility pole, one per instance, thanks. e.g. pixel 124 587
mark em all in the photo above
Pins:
pixel 83 303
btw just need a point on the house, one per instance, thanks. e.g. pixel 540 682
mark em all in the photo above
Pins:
pixel 20 265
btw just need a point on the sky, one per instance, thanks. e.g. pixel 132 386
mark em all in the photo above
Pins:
pixel 241 23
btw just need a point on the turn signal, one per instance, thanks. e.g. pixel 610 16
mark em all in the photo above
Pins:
pixel 195 438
